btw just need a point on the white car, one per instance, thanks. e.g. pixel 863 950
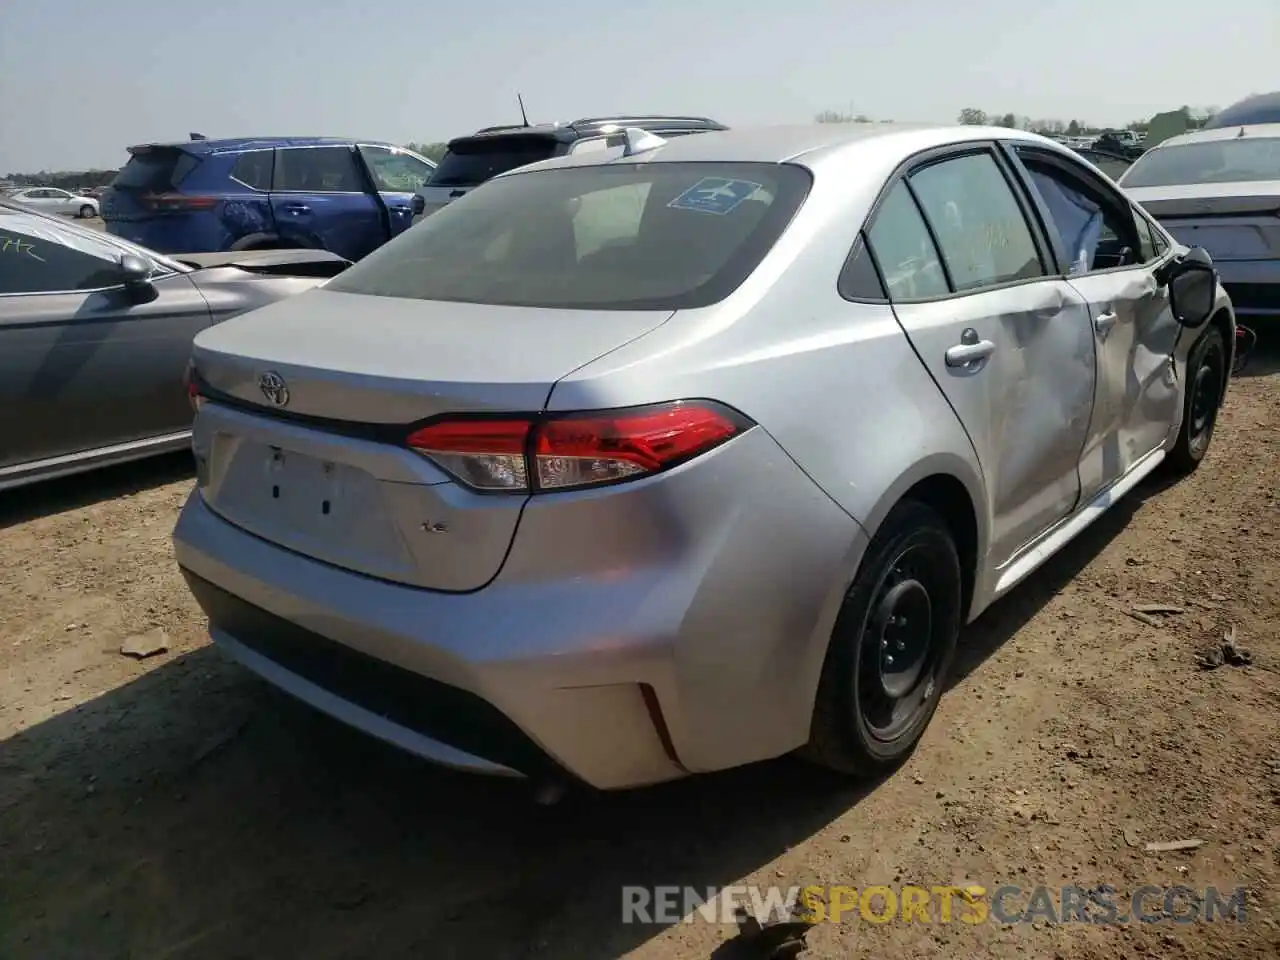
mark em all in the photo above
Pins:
pixel 53 200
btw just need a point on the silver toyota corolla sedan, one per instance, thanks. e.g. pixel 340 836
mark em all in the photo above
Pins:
pixel 633 465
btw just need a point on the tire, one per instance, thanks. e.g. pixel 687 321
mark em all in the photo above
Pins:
pixel 86 212
pixel 911 570
pixel 1206 378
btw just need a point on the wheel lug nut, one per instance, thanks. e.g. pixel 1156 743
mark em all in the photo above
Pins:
pixel 901 646
pixel 889 661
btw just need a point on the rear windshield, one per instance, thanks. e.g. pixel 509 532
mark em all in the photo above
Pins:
pixel 155 170
pixel 1218 161
pixel 643 236
pixel 469 162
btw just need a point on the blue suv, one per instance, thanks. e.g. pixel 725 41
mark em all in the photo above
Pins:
pixel 204 196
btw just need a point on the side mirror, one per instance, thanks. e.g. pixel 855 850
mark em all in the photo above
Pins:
pixel 1193 287
pixel 134 271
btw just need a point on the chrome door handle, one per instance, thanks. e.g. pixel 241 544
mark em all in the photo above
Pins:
pixel 1105 321
pixel 964 354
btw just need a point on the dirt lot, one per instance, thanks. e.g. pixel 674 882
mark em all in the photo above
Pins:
pixel 175 807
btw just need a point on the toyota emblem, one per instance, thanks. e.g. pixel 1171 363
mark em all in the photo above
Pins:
pixel 274 388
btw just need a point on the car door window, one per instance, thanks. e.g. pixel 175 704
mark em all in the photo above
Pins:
pixel 253 169
pixel 1095 226
pixel 317 170
pixel 983 235
pixel 394 171
pixel 903 249
pixel 32 263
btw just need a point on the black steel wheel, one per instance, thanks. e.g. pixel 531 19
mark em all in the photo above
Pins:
pixel 891 647
pixel 1206 378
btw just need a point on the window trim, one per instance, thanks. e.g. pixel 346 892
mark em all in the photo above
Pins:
pixel 351 150
pixel 1091 184
pixel 929 157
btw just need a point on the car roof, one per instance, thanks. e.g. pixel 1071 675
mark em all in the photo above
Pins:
pixel 1258 108
pixel 783 144
pixel 236 144
pixel 1263 130
pixel 591 126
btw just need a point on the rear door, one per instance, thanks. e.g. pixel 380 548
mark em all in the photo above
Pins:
pixel 1009 346
pixel 1112 264
pixel 397 175
pixel 84 362
pixel 321 198
pixel 470 161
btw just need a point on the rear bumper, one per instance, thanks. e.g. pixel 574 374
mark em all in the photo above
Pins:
pixel 584 663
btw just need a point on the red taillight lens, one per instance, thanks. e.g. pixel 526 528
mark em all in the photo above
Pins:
pixel 177 202
pixel 193 388
pixel 578 450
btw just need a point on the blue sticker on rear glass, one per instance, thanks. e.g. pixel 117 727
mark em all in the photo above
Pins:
pixel 716 195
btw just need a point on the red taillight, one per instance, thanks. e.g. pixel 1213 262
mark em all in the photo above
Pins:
pixel 577 450
pixel 177 202
pixel 193 388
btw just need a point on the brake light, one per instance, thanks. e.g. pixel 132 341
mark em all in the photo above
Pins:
pixel 177 202
pixel 193 388
pixel 566 452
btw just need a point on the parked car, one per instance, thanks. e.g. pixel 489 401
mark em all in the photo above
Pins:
pixel 95 334
pixel 1112 164
pixel 1259 108
pixel 470 161
pixel 774 413
pixel 53 200
pixel 345 196
pixel 1220 189
pixel 1123 143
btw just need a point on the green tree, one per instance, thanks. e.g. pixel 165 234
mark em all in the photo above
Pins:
pixel 432 151
pixel 972 116
pixel 1007 120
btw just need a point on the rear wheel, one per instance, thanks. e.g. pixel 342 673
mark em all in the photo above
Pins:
pixel 1206 376
pixel 892 645
pixel 87 211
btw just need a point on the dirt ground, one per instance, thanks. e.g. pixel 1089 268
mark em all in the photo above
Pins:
pixel 177 808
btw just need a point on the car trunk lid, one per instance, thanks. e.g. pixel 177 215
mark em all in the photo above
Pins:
pixel 321 467
pixel 1233 221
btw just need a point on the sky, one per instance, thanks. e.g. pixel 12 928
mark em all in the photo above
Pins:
pixel 80 80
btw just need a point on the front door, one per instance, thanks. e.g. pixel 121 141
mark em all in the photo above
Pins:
pixel 1108 253
pixel 1010 347
pixel 397 175
pixel 321 199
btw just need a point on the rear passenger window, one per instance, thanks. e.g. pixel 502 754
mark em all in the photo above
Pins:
pixel 253 169
pixel 904 251
pixel 318 170
pixel 980 228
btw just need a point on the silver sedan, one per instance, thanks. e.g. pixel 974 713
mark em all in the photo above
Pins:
pixel 621 468
pixel 53 200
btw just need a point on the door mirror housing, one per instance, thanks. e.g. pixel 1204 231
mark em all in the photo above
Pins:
pixel 1193 287
pixel 134 271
